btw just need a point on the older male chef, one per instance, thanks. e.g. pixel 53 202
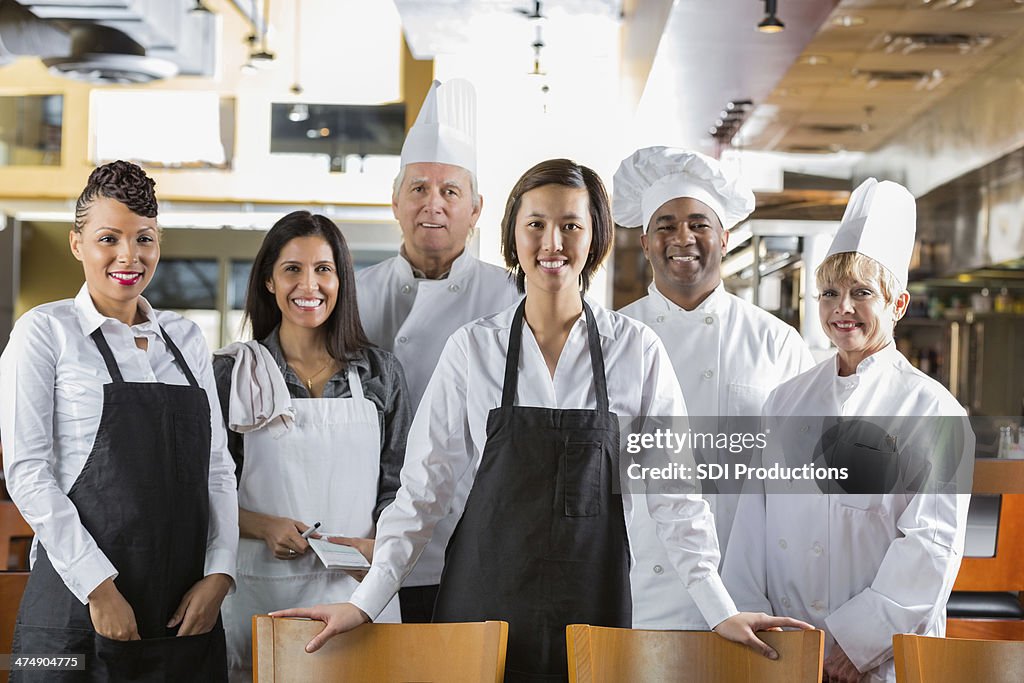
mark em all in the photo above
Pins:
pixel 728 354
pixel 411 303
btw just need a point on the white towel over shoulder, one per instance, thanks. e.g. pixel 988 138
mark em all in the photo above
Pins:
pixel 259 396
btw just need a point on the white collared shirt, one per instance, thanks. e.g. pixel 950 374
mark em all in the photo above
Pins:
pixel 448 436
pixel 51 401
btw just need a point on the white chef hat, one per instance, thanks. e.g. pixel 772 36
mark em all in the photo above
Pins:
pixel 879 222
pixel 655 175
pixel 445 129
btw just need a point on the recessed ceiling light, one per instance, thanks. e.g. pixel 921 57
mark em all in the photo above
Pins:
pixel 848 20
pixel 815 60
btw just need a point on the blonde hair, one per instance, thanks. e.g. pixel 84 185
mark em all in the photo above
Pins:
pixel 851 266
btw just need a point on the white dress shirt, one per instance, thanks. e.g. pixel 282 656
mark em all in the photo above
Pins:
pixel 51 400
pixel 448 436
pixel 413 317
pixel 860 566
pixel 728 355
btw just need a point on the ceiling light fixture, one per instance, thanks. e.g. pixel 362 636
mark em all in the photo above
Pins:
pixel 298 113
pixel 770 23
pixel 200 8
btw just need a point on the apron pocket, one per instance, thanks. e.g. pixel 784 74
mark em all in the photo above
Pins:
pixel 199 658
pixel 582 462
pixel 43 640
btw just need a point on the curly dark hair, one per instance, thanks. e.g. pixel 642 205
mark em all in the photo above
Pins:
pixel 121 181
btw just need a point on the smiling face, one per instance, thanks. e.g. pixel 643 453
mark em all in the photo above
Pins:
pixel 685 243
pixel 434 207
pixel 304 282
pixel 553 234
pixel 119 251
pixel 856 317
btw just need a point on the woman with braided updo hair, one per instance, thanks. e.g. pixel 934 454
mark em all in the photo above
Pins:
pixel 116 455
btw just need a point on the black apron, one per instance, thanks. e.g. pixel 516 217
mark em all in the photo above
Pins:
pixel 143 494
pixel 542 542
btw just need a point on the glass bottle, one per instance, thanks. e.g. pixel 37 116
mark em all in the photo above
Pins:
pixel 1005 441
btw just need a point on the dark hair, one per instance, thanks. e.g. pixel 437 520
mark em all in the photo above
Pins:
pixel 121 181
pixel 345 335
pixel 567 174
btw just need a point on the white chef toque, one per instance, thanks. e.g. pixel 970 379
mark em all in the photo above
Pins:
pixel 654 175
pixel 879 222
pixel 445 129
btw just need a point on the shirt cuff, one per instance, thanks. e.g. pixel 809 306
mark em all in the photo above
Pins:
pixel 89 572
pixel 221 561
pixel 374 593
pixel 866 648
pixel 712 599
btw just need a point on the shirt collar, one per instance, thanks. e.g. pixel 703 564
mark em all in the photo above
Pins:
pixel 602 317
pixel 460 266
pixel 91 319
pixel 886 356
pixel 272 342
pixel 711 304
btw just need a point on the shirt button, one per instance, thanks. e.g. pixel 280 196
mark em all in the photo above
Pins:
pixel 660 319
pixel 402 340
pixel 708 374
pixel 783 544
pixel 804 429
pixel 786 603
pixel 406 289
pixel 453 287
pixel 658 569
pixel 709 320
pixel 818 606
pixel 817 549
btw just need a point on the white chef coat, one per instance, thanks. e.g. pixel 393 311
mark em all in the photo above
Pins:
pixel 413 318
pixel 861 567
pixel 51 401
pixel 728 355
pixel 448 436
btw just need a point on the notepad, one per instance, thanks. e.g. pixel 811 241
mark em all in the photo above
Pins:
pixel 336 556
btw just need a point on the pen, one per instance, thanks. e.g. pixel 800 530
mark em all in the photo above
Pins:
pixel 309 532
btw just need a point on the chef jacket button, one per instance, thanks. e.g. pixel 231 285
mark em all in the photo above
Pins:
pixel 818 606
pixel 708 374
pixel 406 289
pixel 803 430
pixel 660 319
pixel 817 549
pixel 783 544
pixel 709 320
pixel 402 340
pixel 786 603
pixel 453 287
pixel 658 569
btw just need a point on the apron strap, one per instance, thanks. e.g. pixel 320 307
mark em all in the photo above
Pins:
pixel 596 359
pixel 515 342
pixel 355 385
pixel 182 365
pixel 108 356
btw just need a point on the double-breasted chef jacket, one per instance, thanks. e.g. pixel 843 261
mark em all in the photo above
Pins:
pixel 413 317
pixel 728 355
pixel 448 436
pixel 861 566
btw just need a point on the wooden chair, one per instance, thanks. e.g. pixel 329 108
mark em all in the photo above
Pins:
pixel 989 583
pixel 609 655
pixel 12 526
pixel 921 659
pixel 12 585
pixel 383 653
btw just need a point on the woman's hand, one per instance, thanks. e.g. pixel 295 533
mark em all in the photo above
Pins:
pixel 365 548
pixel 740 628
pixel 111 615
pixel 838 667
pixel 283 536
pixel 200 607
pixel 338 618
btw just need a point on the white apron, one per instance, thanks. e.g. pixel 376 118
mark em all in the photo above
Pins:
pixel 325 468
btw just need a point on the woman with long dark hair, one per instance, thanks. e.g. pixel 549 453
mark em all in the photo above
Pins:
pixel 527 402
pixel 318 419
pixel 116 458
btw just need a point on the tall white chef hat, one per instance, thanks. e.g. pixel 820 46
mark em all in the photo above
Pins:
pixel 654 175
pixel 445 129
pixel 879 222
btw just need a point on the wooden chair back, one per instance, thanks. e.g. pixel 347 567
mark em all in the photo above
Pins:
pixel 12 526
pixel 609 655
pixel 384 653
pixel 922 659
pixel 12 585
